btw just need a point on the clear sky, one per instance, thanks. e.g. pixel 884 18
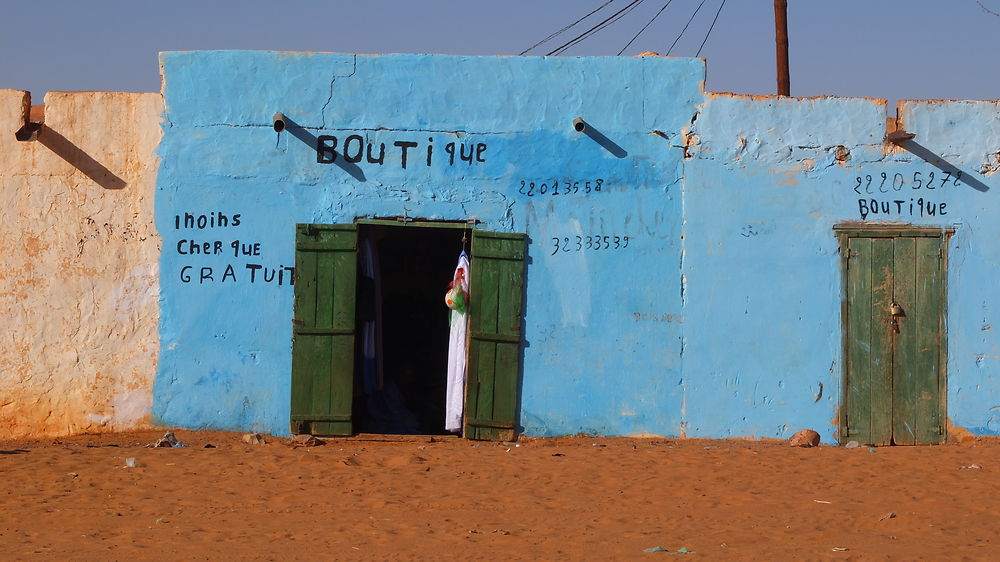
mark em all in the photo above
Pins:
pixel 877 48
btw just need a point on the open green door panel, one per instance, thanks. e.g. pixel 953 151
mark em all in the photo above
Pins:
pixel 323 340
pixel 493 372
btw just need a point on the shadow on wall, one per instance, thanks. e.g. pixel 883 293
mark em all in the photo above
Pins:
pixel 525 344
pixel 312 141
pixel 940 163
pixel 63 148
pixel 611 146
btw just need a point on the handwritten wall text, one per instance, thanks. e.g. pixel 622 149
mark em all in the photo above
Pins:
pixel 355 149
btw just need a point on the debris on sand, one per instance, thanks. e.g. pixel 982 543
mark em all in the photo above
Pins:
pixel 681 550
pixel 305 441
pixel 168 440
pixel 254 439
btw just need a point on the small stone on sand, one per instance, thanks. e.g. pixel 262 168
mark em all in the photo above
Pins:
pixel 804 438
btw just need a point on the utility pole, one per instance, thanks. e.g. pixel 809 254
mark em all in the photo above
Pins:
pixel 781 46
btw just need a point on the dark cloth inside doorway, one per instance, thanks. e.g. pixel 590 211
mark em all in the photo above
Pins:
pixel 400 385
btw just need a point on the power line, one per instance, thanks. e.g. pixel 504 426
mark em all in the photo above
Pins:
pixel 599 8
pixel 985 9
pixel 645 26
pixel 711 27
pixel 685 27
pixel 609 20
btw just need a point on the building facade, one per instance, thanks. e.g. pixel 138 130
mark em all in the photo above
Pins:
pixel 651 258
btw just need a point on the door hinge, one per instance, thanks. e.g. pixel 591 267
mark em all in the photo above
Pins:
pixel 940 430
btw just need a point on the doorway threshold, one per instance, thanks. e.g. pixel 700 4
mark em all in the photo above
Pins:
pixel 391 438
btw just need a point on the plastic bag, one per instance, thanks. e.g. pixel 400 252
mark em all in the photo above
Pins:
pixel 456 297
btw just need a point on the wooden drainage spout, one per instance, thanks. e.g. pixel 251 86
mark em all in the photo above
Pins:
pixel 33 119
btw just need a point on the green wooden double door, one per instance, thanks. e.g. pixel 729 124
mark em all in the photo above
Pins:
pixel 894 336
pixel 323 354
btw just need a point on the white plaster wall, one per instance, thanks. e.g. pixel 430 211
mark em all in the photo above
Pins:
pixel 79 283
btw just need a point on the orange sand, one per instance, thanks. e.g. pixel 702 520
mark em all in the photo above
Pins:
pixel 573 498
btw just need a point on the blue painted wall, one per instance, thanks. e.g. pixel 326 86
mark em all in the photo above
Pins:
pixel 763 190
pixel 594 319
pixel 720 318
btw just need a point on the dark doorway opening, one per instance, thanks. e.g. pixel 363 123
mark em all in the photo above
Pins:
pixel 401 361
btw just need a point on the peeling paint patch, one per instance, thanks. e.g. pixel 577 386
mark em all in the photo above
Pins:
pixel 991 164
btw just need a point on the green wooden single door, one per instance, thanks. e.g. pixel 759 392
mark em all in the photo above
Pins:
pixel 894 338
pixel 323 340
pixel 495 316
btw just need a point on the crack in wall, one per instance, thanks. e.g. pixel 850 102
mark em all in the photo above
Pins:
pixel 458 133
pixel 333 79
pixel 686 134
pixel 329 98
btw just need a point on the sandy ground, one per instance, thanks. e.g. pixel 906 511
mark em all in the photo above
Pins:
pixel 573 498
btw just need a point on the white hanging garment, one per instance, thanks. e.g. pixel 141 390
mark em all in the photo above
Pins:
pixel 455 393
